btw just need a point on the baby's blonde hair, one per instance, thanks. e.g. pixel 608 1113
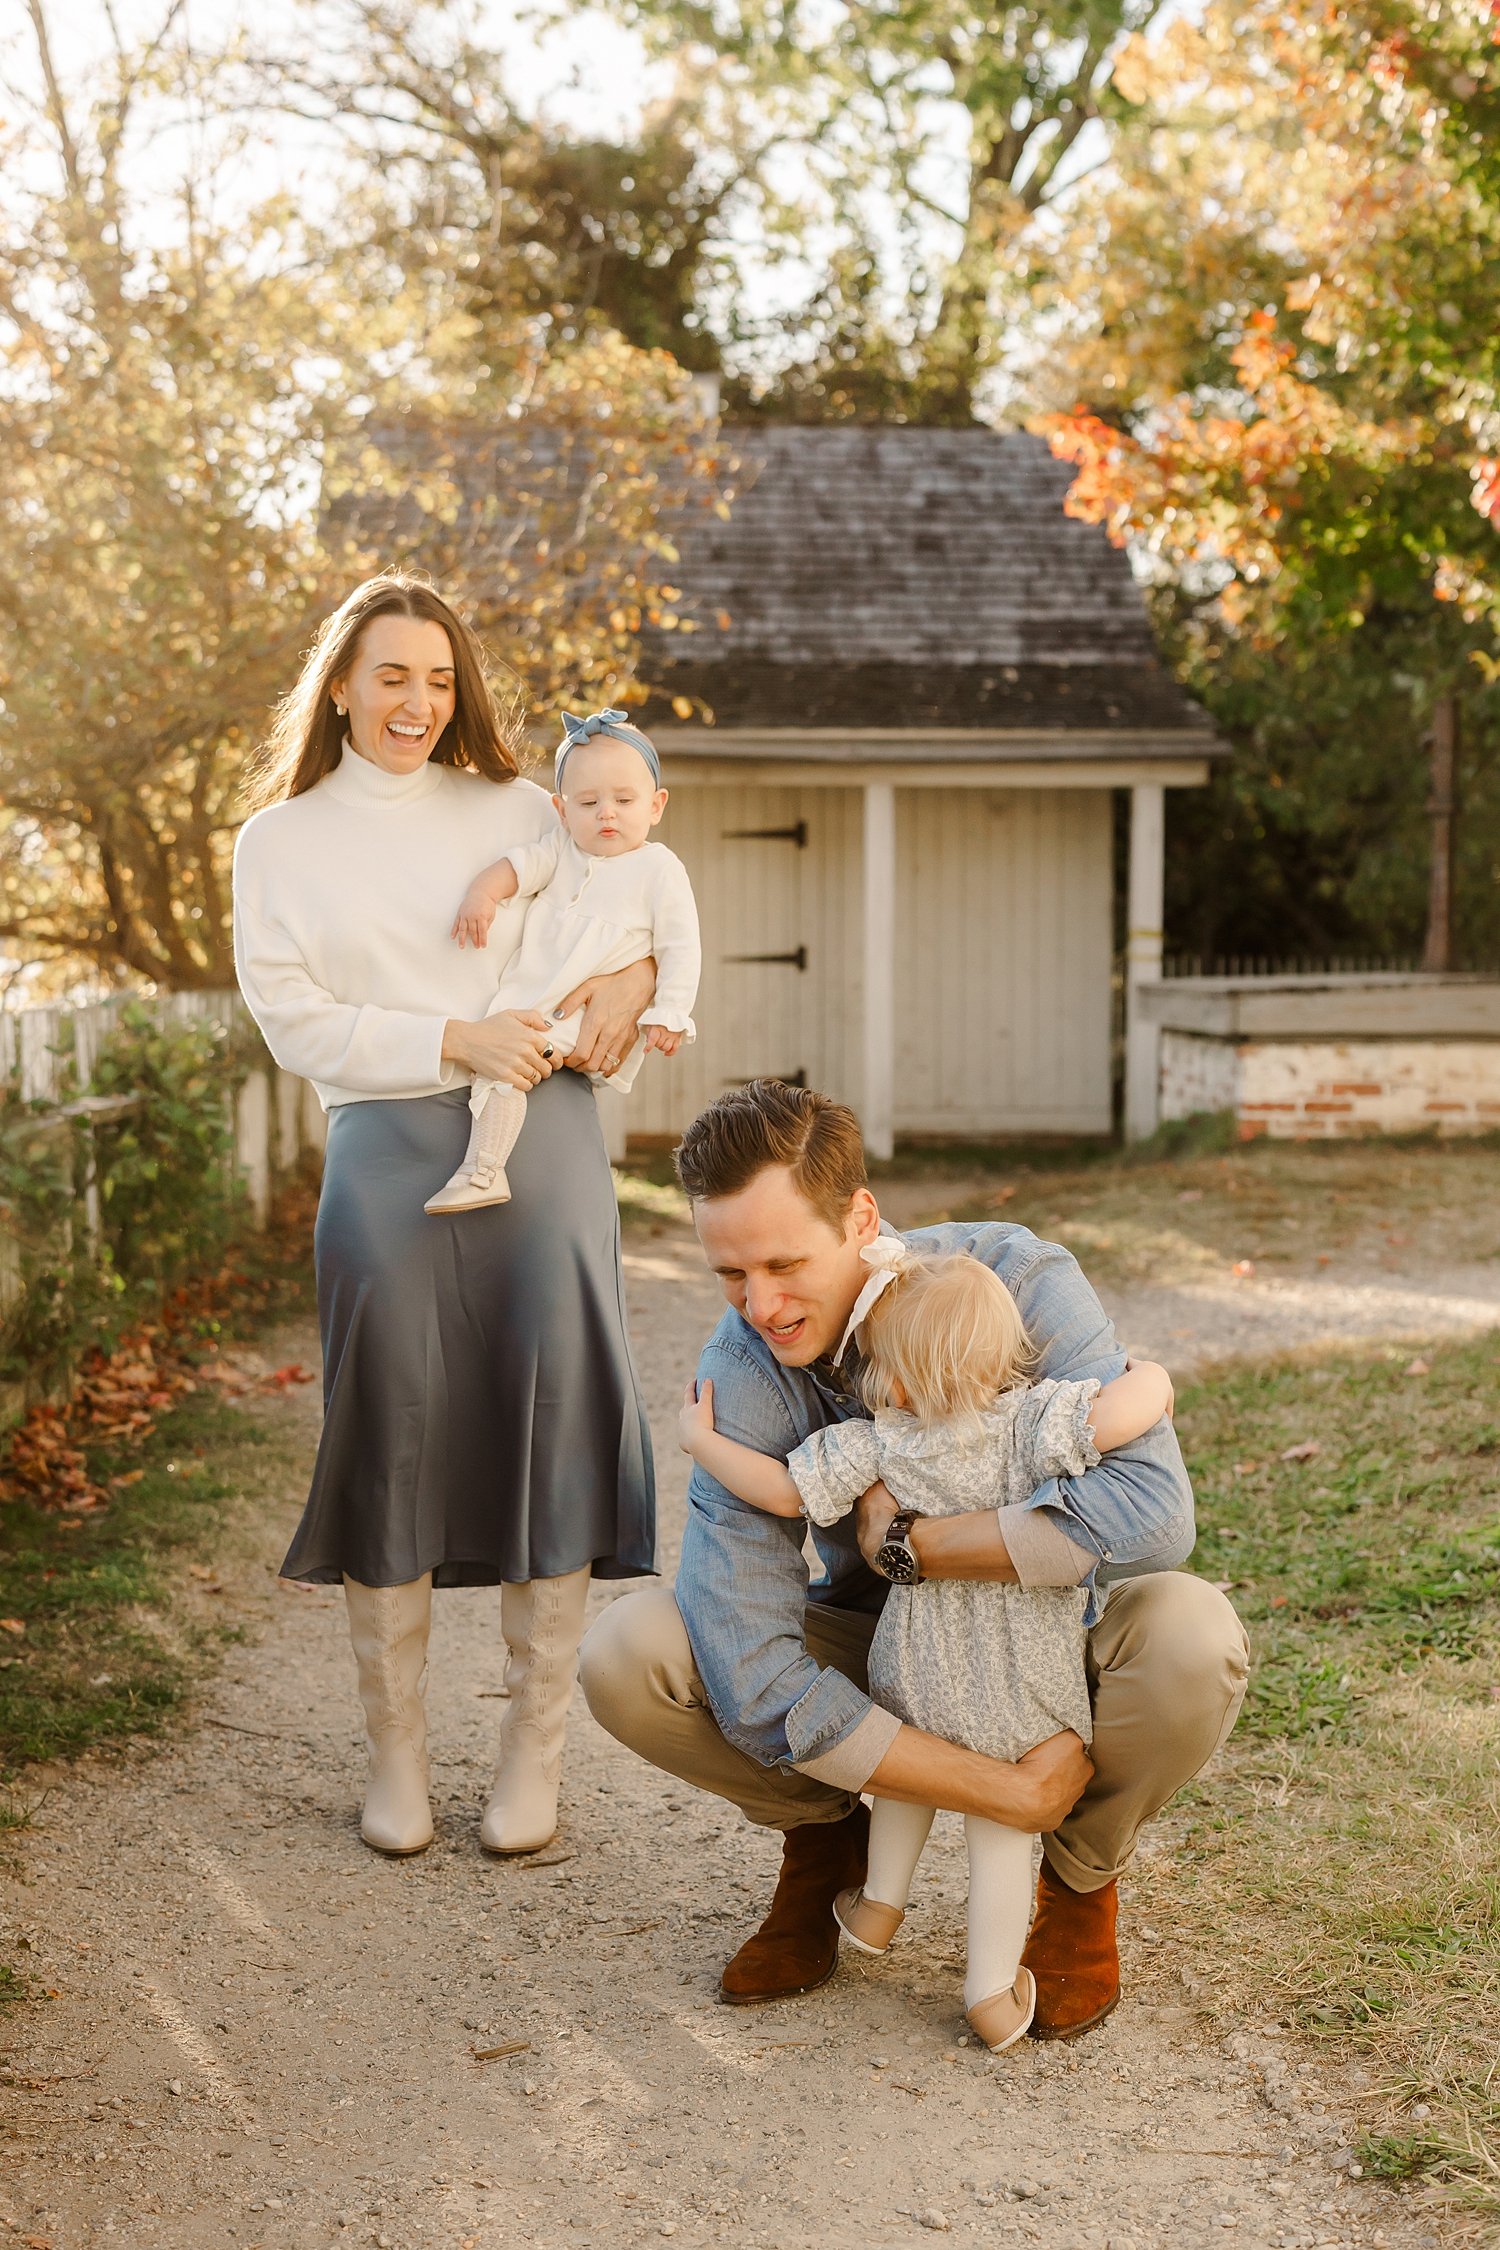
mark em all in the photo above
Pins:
pixel 948 1333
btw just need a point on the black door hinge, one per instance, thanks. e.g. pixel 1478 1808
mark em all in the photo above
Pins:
pixel 797 834
pixel 797 960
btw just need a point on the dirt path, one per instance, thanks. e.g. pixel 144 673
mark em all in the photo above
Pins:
pixel 265 2035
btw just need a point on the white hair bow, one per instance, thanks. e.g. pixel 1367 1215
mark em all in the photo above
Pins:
pixel 886 1256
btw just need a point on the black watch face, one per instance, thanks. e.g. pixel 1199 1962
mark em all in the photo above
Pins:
pixel 899 1565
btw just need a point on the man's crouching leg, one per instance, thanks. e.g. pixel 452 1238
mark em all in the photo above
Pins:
pixel 643 1687
pixel 1167 1663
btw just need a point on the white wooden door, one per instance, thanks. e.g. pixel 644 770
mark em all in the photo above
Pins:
pixel 1003 956
pixel 776 875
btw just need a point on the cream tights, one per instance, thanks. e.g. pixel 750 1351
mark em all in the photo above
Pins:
pixel 1000 1886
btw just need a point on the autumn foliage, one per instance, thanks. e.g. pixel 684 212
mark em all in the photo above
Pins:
pixel 1304 400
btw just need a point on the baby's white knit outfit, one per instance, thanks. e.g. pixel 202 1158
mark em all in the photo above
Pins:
pixel 587 917
pixel 584 917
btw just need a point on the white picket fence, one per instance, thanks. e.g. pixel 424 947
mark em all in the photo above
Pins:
pixel 48 1055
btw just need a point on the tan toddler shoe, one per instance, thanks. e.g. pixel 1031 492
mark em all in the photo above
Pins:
pixel 865 1922
pixel 1006 2016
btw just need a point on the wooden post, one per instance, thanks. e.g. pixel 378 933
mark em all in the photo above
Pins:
pixel 878 1118
pixel 288 1121
pixel 252 1143
pixel 1143 946
pixel 1437 953
pixel 314 1120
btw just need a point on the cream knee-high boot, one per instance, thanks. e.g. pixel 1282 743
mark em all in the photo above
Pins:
pixel 543 1624
pixel 388 1626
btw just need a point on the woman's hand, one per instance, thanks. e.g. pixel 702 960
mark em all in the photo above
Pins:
pixel 508 1047
pixel 612 1010
pixel 696 1421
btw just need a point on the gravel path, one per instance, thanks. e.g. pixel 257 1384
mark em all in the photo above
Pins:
pixel 263 2034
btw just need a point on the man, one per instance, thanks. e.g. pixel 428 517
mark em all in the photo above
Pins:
pixel 750 1681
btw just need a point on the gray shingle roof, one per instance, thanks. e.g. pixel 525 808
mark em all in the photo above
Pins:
pixel 899 577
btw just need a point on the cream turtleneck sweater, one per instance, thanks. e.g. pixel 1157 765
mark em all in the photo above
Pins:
pixel 343 901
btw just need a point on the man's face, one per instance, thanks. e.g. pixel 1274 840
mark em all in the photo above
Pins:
pixel 792 1273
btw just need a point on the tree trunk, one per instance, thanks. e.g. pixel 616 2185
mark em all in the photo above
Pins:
pixel 1437 953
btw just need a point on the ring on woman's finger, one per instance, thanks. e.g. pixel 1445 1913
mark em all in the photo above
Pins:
pixel 547 1053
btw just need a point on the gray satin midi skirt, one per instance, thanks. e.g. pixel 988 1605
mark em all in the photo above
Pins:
pixel 482 1419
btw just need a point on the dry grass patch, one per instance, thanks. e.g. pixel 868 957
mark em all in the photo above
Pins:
pixel 1173 1219
pixel 1340 1867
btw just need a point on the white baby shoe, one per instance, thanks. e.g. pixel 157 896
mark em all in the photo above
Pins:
pixel 480 1179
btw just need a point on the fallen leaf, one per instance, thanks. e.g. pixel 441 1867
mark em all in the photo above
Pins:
pixel 295 1372
pixel 1418 1367
pixel 131 1476
pixel 1243 1269
pixel 1246 1468
pixel 1306 1451
pixel 1001 1197
pixel 12 1625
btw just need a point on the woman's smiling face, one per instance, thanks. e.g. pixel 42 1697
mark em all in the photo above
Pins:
pixel 399 692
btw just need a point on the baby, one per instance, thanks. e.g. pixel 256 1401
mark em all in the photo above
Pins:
pixel 602 896
pixel 957 1425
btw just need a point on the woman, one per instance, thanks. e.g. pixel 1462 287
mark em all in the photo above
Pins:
pixel 482 1421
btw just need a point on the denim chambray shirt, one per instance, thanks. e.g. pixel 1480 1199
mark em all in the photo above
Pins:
pixel 743 1580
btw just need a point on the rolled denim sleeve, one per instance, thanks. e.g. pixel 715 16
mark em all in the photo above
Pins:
pixel 742 1589
pixel 1134 1512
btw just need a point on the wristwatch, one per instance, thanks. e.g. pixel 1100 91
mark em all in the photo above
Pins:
pixel 895 1557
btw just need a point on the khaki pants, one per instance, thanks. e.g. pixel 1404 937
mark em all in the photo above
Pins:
pixel 1167 1665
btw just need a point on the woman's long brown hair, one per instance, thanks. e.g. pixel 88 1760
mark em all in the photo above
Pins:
pixel 307 735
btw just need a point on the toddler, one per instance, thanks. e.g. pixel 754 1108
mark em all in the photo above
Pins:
pixel 957 1426
pixel 602 896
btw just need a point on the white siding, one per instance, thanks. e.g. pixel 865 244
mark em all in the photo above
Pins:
pixel 1003 960
pixel 764 895
pixel 1003 941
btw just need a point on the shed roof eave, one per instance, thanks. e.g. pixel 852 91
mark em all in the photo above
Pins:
pixel 838 745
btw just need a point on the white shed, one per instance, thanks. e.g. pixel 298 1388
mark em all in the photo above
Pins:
pixel 896 794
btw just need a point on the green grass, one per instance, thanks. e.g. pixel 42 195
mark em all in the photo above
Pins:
pixel 107 1650
pixel 648 1201
pixel 1340 1867
pixel 113 1627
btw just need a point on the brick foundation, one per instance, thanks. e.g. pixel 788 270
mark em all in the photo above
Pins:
pixel 1288 1089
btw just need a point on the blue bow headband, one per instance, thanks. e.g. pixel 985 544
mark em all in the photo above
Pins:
pixel 615 723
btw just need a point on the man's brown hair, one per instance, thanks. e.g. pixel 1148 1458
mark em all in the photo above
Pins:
pixel 770 1123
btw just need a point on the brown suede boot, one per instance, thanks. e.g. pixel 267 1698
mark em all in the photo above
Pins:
pixel 1073 1956
pixel 796 1947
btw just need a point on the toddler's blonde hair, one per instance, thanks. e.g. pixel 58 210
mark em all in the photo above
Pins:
pixel 948 1333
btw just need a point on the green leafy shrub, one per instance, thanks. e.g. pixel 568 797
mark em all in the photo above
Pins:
pixel 169 1198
